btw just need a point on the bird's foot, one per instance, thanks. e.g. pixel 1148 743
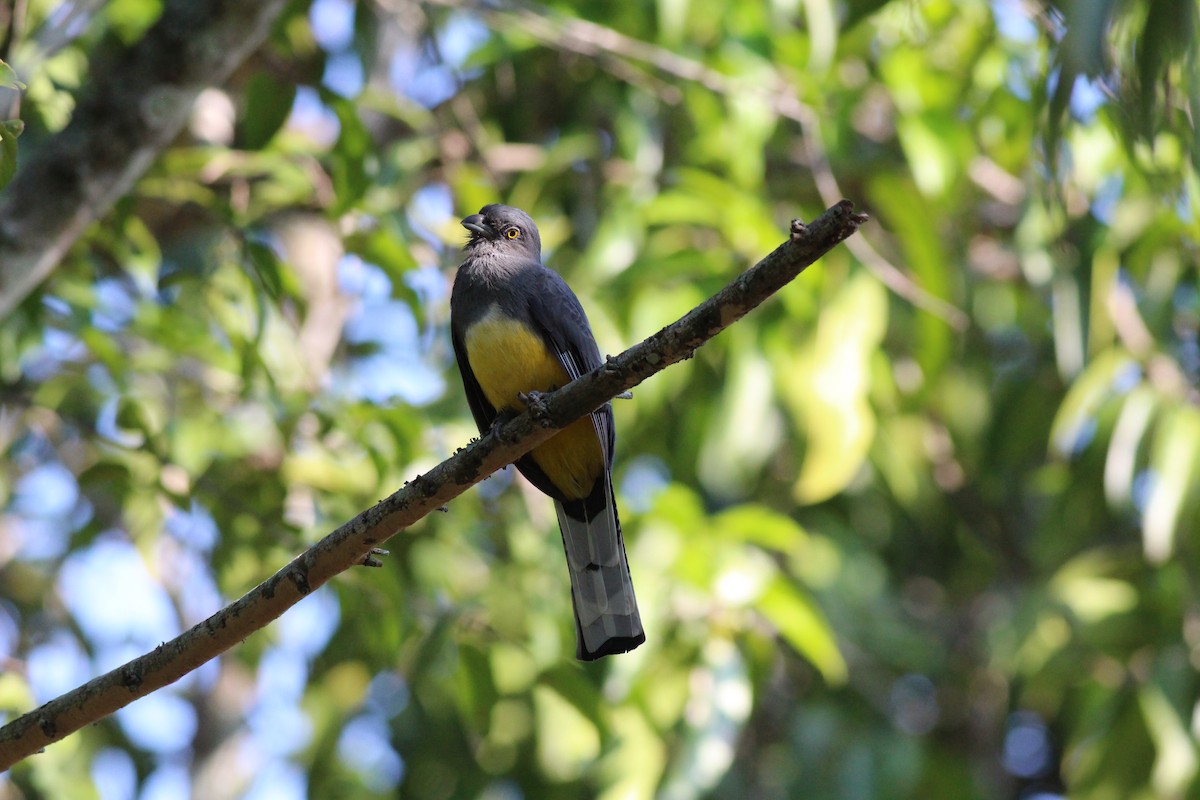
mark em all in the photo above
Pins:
pixel 611 364
pixel 369 560
pixel 503 417
pixel 536 403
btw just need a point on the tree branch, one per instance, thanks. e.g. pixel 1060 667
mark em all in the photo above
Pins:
pixel 352 543
pixel 139 100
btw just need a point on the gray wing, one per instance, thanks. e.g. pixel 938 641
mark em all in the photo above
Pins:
pixel 564 325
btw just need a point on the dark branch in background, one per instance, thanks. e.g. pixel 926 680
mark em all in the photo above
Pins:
pixel 623 56
pixel 353 542
pixel 137 102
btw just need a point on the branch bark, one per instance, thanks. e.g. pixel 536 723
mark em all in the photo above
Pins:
pixel 138 102
pixel 352 543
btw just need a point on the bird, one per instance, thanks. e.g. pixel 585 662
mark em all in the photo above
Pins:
pixel 517 329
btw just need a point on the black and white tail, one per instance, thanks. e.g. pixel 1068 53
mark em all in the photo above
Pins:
pixel 606 612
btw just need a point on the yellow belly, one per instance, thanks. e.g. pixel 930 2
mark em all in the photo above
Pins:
pixel 509 359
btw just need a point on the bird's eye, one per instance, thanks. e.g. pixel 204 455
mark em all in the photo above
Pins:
pixel 512 232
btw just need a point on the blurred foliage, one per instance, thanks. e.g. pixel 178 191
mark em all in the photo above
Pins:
pixel 880 554
pixel 10 129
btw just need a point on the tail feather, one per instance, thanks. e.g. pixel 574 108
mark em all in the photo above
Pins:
pixel 606 612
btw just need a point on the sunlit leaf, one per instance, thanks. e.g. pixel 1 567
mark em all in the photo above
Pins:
pixel 1175 762
pixel 763 527
pixel 828 389
pixel 802 626
pixel 1092 594
pixel 1076 421
pixel 1174 482
pixel 567 741
pixel 8 77
pixel 1126 447
pixel 635 765
pixel 572 685
pixel 747 427
pixel 15 694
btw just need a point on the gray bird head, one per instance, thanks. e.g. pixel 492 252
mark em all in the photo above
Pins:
pixel 505 229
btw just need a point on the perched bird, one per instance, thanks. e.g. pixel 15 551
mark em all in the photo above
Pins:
pixel 518 328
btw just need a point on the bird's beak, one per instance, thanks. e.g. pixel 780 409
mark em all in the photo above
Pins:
pixel 478 227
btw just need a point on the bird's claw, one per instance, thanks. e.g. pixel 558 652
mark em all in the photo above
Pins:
pixel 369 560
pixel 535 402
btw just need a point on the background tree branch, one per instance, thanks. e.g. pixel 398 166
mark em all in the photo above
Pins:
pixel 352 543
pixel 136 105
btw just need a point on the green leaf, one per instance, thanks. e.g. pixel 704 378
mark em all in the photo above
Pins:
pixel 8 78
pixel 268 102
pixel 1086 586
pixel 348 161
pixel 9 131
pixel 15 694
pixel 746 427
pixel 572 685
pixel 762 526
pixel 1076 418
pixel 1125 457
pixel 1175 465
pixel 266 266
pixel 802 625
pixel 1175 760
pixel 904 211
pixel 567 741
pixel 1113 752
pixel 828 387
pixel 129 19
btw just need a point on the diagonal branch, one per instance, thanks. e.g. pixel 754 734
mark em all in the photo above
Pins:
pixel 353 542
pixel 138 102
